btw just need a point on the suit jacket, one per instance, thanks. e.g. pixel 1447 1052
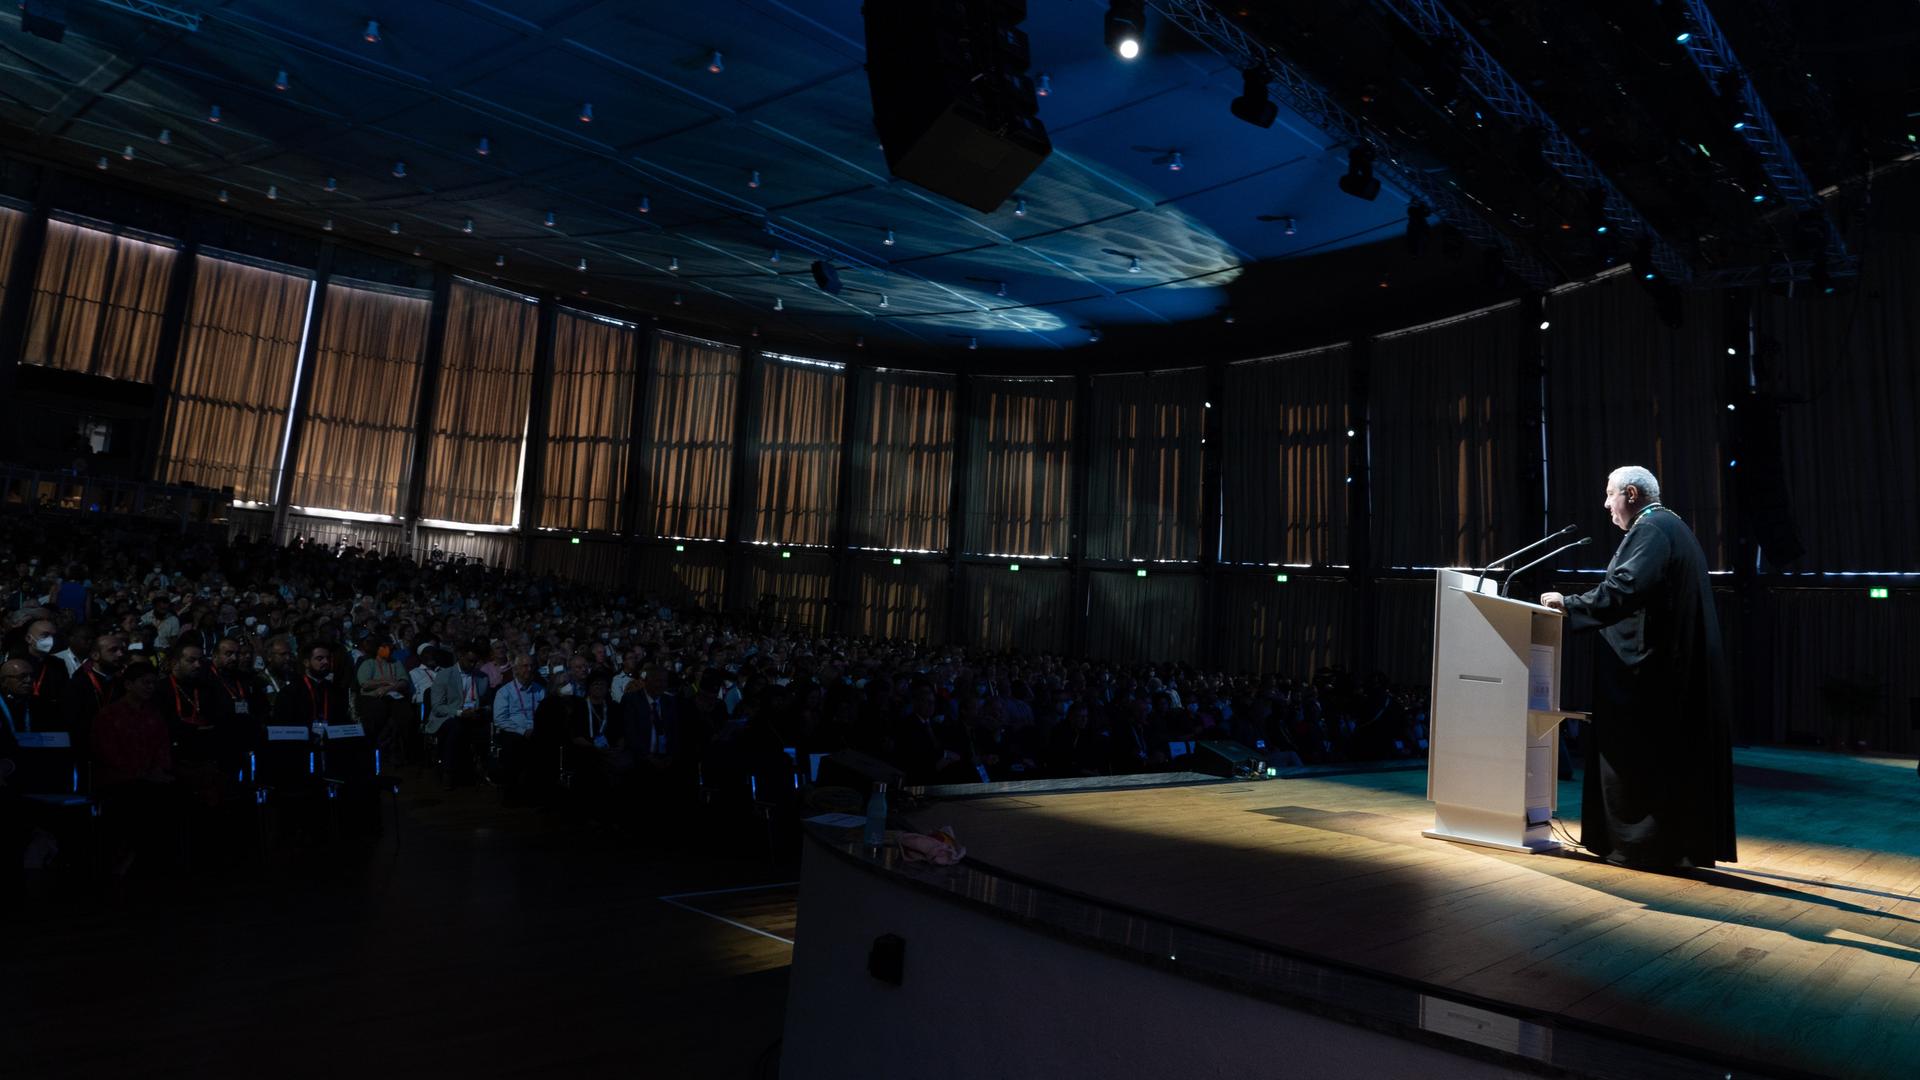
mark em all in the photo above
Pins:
pixel 450 695
pixel 643 720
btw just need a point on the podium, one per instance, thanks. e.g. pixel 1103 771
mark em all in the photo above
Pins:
pixel 1492 750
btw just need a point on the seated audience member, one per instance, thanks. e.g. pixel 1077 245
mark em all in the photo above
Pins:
pixel 93 686
pixel 514 706
pixel 460 708
pixel 133 772
pixel 383 700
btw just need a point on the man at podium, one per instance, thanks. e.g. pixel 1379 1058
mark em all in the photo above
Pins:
pixel 1659 783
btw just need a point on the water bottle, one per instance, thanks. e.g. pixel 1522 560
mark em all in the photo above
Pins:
pixel 877 816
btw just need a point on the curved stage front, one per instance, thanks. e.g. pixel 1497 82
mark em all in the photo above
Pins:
pixel 1303 927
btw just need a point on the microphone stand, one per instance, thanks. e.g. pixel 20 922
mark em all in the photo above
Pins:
pixel 1535 546
pixel 1555 553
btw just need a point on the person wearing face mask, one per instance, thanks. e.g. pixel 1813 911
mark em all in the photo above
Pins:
pixel 48 675
pixel 384 690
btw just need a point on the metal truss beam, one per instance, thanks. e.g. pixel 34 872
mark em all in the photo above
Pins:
pixel 1291 88
pixel 161 13
pixel 1504 95
pixel 1712 54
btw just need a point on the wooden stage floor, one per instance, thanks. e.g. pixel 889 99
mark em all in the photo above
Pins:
pixel 1803 956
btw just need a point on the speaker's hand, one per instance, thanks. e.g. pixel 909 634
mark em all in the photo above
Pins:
pixel 1554 600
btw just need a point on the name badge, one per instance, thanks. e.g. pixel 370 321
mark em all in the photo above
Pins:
pixel 278 733
pixel 239 708
pixel 346 731
pixel 600 741
pixel 272 689
pixel 43 740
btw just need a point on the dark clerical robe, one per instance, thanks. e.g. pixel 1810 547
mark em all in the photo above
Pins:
pixel 1659 783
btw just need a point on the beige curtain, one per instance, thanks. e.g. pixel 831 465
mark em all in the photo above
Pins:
pixel 495 549
pixel 1030 609
pixel 1019 467
pixel 1157 617
pixel 603 564
pixel 903 602
pixel 1291 628
pixel 903 462
pixel 1284 459
pixel 589 422
pixel 480 415
pixel 798 590
pixel 1446 430
pixel 796 452
pixel 227 416
pixel 697 577
pixel 11 222
pixel 357 442
pixel 97 303
pixel 692 394
pixel 1143 484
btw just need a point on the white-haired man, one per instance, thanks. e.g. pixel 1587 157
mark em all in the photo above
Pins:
pixel 1659 783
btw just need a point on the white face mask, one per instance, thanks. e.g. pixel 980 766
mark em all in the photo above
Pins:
pixel 43 644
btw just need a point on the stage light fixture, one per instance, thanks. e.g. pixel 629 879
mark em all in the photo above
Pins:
pixel 1359 181
pixel 581 265
pixel 549 219
pixel 273 193
pixel 973 343
pixel 393 228
pixel 1126 21
pixel 102 163
pixel 1043 88
pixel 646 205
pixel 499 260
pixel 327 225
pixel 779 304
pixel 126 152
pixel 1253 105
pixel 753 181
pixel 586 112
pixel 889 241
pixel 467 226
pixel 1020 208
pixel 483 147
pixel 1133 265
pixel 399 170
pixel 883 301
pixel 280 80
pixel 716 63
pixel 213 114
pixel 673 265
pixel 332 185
pixel 222 196
pixel 166 136
pixel 371 35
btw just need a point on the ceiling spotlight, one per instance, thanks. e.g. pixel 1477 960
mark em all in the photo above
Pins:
pixel 859 341
pixel 1289 226
pixel 416 251
pixel 646 205
pixel 399 170
pixel 754 180
pixel 222 196
pixel 775 256
pixel 715 64
pixel 1043 88
pixel 1125 21
pixel 327 225
pixel 1359 181
pixel 273 192
pixel 1759 197
pixel 331 184
pixel 1253 105
pixel 1093 335
pixel 1019 208
pixel 1739 125
pixel 126 153
pixel 467 226
pixel 483 147
pixel 499 260
pixel 673 265
pixel 280 80
pixel 1133 265
pixel 213 114
pixel 549 221
pixel 393 228
pixel 102 163
pixel 166 136
pixel 1228 319
pixel 1174 163
pixel 779 304
pixel 586 113
pixel 1002 290
pixel 889 240
pixel 678 299
pixel 883 301
pixel 1683 37
pixel 581 265
pixel 973 343
pixel 1546 324
pixel 371 35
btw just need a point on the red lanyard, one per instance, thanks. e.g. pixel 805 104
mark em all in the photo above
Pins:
pixel 180 703
pixel 320 703
pixel 233 689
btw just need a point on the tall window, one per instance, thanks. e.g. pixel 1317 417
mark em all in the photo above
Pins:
pixel 480 415
pixel 589 417
pixel 796 450
pixel 1284 460
pixel 97 302
pixel 357 441
pixel 903 461
pixel 692 394
pixel 227 416
pixel 1143 500
pixel 1017 497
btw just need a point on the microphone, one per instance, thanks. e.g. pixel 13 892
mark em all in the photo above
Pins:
pixel 1555 553
pixel 1535 546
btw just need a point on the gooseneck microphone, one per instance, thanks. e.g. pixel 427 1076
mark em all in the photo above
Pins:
pixel 1535 546
pixel 1555 553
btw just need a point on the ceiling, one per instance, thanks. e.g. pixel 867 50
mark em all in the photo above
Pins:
pixel 790 104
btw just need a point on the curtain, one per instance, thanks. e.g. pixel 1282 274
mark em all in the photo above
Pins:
pixel 692 392
pixel 797 591
pixel 1143 484
pixel 1158 617
pixel 227 417
pixel 1285 459
pixel 903 461
pixel 905 602
pixel 1019 467
pixel 497 550
pixel 1846 369
pixel 796 452
pixel 97 303
pixel 695 578
pixel 480 416
pixel 603 564
pixel 1029 610
pixel 11 222
pixel 376 536
pixel 589 421
pixel 1291 629
pixel 1446 420
pixel 1624 389
pixel 356 448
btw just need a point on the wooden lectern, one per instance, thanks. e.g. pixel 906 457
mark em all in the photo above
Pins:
pixel 1492 750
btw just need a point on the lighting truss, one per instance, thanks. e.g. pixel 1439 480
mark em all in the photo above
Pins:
pixel 1712 54
pixel 161 13
pixel 1504 95
pixel 1780 273
pixel 1292 88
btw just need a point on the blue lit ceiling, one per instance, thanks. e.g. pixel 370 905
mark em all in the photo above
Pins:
pixel 790 103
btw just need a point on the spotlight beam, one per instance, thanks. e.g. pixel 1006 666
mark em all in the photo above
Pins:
pixel 1504 94
pixel 1291 87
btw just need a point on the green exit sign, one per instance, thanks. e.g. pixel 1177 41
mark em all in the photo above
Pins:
pixel 1281 578
pixel 576 540
pixel 1878 592
pixel 679 547
pixel 1139 573
pixel 1015 567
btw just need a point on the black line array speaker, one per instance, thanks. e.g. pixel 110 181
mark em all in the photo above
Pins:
pixel 952 101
